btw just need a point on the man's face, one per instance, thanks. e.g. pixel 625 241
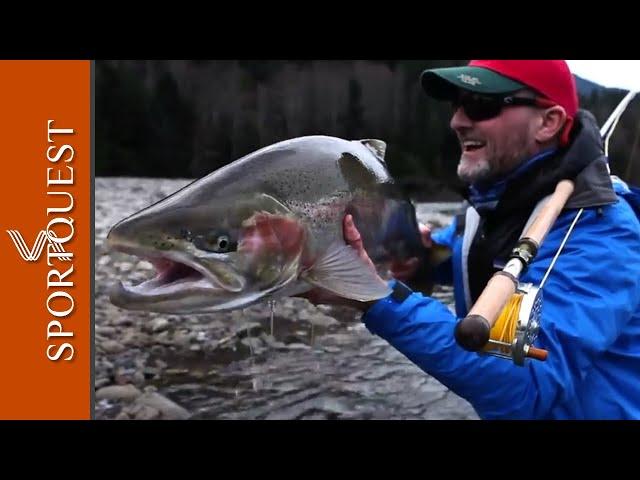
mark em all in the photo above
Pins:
pixel 497 145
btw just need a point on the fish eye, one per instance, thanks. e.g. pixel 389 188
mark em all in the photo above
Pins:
pixel 214 242
pixel 186 234
pixel 223 242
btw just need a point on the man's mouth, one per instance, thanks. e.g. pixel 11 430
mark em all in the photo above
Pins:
pixel 472 145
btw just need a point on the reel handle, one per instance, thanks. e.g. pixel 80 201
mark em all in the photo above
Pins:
pixel 473 332
pixel 537 353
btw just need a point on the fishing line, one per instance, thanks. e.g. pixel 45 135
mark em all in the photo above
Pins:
pixel 504 331
pixel 564 240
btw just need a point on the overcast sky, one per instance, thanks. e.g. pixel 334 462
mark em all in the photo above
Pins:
pixel 610 73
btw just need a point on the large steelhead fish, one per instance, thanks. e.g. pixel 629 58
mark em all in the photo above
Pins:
pixel 269 225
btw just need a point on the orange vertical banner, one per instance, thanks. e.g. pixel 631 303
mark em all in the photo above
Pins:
pixel 45 346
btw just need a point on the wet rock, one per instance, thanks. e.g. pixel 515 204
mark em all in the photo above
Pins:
pixel 332 349
pixel 323 321
pixel 118 392
pixel 251 329
pixel 104 364
pixel 168 409
pixel 143 412
pixel 111 346
pixel 144 265
pixel 158 350
pixel 159 324
pixel 125 267
pixel 101 382
pixel 134 338
pixel 272 342
pixel 123 376
pixel 181 338
pixel 339 339
pixel 121 320
pixel 253 343
pixel 138 377
pixel 105 330
pixel 289 339
pixel 449 407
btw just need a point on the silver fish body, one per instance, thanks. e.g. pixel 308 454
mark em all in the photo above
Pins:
pixel 269 225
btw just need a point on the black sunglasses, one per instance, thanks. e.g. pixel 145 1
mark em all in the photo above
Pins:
pixel 480 107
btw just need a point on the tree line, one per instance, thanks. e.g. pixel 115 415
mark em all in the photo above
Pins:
pixel 185 118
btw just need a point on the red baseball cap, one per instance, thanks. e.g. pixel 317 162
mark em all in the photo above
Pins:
pixel 550 78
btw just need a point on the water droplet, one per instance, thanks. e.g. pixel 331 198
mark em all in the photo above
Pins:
pixel 272 306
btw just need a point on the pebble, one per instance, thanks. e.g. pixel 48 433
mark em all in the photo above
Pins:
pixel 167 408
pixel 159 324
pixel 118 392
pixel 111 346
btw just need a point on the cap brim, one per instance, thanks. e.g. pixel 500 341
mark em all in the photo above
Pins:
pixel 444 83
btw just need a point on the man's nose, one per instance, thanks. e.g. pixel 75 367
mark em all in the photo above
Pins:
pixel 459 120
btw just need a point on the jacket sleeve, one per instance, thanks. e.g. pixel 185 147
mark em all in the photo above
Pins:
pixel 591 294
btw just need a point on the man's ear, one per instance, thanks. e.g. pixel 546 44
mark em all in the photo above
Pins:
pixel 553 119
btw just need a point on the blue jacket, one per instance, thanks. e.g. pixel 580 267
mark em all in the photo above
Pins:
pixel 590 325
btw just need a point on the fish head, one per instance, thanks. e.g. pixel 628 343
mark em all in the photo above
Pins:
pixel 210 254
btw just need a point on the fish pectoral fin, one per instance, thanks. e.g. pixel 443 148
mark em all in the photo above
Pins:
pixel 344 273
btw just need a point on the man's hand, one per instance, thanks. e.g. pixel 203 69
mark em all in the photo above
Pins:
pixel 405 270
pixel 321 296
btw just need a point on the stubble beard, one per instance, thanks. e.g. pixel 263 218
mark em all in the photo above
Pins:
pixel 473 171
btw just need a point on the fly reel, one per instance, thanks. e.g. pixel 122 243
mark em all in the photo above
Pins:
pixel 517 327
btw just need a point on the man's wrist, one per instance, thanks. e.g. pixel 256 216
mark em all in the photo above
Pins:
pixel 362 306
pixel 399 293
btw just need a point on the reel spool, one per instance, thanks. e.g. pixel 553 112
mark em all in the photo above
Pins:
pixel 517 327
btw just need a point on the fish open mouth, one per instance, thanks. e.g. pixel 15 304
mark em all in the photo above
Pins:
pixel 172 277
pixel 170 272
pixel 175 276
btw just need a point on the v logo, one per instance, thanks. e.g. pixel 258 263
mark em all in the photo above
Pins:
pixel 33 254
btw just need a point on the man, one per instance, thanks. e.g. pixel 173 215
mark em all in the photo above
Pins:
pixel 521 132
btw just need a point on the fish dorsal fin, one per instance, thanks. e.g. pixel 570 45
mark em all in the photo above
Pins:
pixel 378 147
pixel 344 273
